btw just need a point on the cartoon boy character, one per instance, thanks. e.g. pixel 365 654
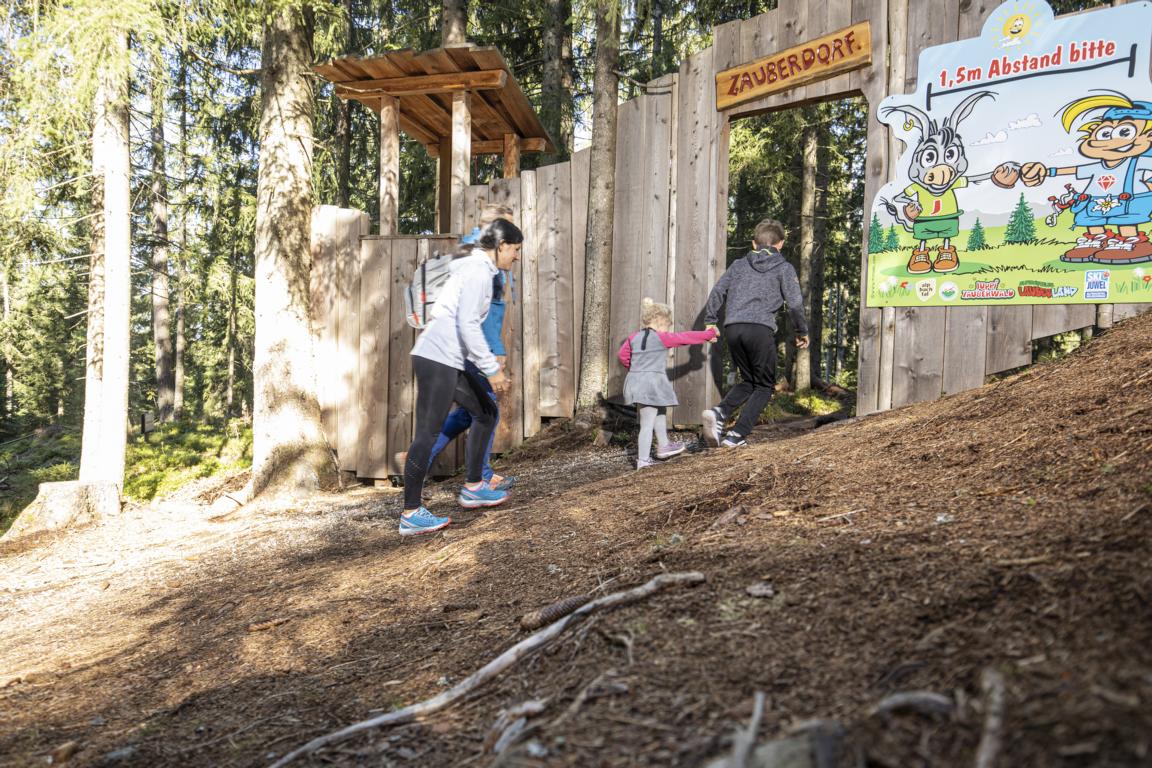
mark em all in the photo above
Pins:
pixel 927 206
pixel 1117 198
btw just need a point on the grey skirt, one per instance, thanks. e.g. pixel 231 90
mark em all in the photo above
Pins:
pixel 649 388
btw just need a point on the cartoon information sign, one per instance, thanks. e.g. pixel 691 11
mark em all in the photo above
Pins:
pixel 1027 175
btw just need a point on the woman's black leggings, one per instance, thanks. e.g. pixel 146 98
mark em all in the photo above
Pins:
pixel 437 387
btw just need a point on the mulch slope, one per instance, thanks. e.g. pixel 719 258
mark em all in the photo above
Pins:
pixel 1007 528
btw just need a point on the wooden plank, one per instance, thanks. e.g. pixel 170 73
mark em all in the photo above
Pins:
pixel 627 260
pixel 497 147
pixel 1051 319
pixel 760 36
pixel 325 315
pixel 656 154
pixel 965 348
pixel 389 166
pixel 529 290
pixel 510 431
pixel 671 82
pixel 1124 311
pixel 349 231
pixel 839 16
pixel 806 63
pixel 444 186
pixel 373 459
pixel 581 167
pixel 401 337
pixel 918 356
pixel 565 292
pixel 1009 338
pixel 554 270
pixel 486 80
pixel 873 83
pixel 695 264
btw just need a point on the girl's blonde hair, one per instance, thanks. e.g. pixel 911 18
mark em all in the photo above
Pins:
pixel 494 211
pixel 651 311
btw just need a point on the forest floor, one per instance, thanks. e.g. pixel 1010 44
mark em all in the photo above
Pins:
pixel 1007 528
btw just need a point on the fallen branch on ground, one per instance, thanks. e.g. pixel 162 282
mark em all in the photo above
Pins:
pixel 522 649
pixel 992 685
pixel 745 740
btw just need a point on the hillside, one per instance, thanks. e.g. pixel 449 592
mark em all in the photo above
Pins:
pixel 1007 528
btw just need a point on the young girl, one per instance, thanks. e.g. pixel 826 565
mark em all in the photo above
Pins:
pixel 454 336
pixel 645 355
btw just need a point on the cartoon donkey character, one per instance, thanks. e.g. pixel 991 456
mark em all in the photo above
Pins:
pixel 928 205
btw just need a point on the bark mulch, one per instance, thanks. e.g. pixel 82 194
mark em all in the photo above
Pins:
pixel 1007 529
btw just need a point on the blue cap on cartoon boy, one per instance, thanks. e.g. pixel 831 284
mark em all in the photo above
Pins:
pixel 1141 110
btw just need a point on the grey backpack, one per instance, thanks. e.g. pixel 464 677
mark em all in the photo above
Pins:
pixel 424 288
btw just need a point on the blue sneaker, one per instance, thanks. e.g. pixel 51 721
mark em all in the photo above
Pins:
pixel 422 521
pixel 481 497
pixel 505 483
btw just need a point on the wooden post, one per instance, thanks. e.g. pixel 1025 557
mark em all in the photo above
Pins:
pixel 461 157
pixel 389 165
pixel 444 186
pixel 511 155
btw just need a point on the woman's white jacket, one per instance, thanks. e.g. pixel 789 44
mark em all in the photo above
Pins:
pixel 454 333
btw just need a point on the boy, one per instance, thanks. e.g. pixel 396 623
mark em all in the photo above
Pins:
pixel 753 290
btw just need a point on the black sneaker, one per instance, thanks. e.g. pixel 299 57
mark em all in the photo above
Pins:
pixel 733 440
pixel 713 426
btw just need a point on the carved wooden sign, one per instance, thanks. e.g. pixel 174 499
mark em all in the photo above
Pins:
pixel 842 51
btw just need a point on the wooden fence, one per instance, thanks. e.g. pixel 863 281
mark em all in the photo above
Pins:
pixel 669 244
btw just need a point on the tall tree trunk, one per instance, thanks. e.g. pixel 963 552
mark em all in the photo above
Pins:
pixel 803 368
pixel 161 322
pixel 657 38
pixel 595 353
pixel 289 453
pixel 178 361
pixel 9 381
pixel 819 234
pixel 556 84
pixel 230 341
pixel 109 292
pixel 343 109
pixel 454 22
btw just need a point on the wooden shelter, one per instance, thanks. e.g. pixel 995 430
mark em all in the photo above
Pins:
pixel 457 101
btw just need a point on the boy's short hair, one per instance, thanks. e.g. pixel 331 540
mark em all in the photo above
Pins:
pixel 494 211
pixel 768 232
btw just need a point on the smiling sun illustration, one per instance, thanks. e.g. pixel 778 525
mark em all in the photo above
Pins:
pixel 1016 23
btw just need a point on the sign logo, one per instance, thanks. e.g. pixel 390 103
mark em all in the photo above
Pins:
pixel 926 289
pixel 948 291
pixel 1096 283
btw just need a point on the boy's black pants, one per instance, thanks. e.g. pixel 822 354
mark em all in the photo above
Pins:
pixel 753 350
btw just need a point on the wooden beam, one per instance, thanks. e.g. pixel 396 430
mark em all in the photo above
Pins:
pixel 389 165
pixel 415 85
pixel 511 155
pixel 496 147
pixel 461 156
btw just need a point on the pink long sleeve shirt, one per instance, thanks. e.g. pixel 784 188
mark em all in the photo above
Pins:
pixel 668 339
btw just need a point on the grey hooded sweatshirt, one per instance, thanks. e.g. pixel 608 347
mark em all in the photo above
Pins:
pixel 754 288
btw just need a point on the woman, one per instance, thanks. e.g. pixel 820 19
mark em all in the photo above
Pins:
pixel 453 337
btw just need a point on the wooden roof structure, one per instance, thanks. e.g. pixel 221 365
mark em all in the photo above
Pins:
pixel 424 84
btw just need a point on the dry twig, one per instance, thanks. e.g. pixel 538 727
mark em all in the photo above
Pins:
pixel 992 686
pixel 745 741
pixel 524 648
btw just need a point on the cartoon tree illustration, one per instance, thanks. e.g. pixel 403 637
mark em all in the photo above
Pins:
pixel 976 240
pixel 892 241
pixel 875 235
pixel 1022 225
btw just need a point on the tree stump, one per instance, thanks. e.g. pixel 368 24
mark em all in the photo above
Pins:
pixel 65 505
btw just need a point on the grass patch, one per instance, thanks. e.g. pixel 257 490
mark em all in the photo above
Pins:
pixel 173 455
pixel 806 402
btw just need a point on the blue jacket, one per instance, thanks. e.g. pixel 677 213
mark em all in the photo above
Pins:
pixel 494 323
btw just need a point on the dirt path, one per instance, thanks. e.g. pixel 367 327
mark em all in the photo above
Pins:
pixel 1004 528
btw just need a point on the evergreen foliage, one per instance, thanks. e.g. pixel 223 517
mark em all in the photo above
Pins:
pixel 976 240
pixel 892 240
pixel 876 239
pixel 1022 223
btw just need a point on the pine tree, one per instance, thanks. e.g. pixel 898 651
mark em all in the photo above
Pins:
pixel 976 237
pixel 892 243
pixel 1022 225
pixel 875 236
